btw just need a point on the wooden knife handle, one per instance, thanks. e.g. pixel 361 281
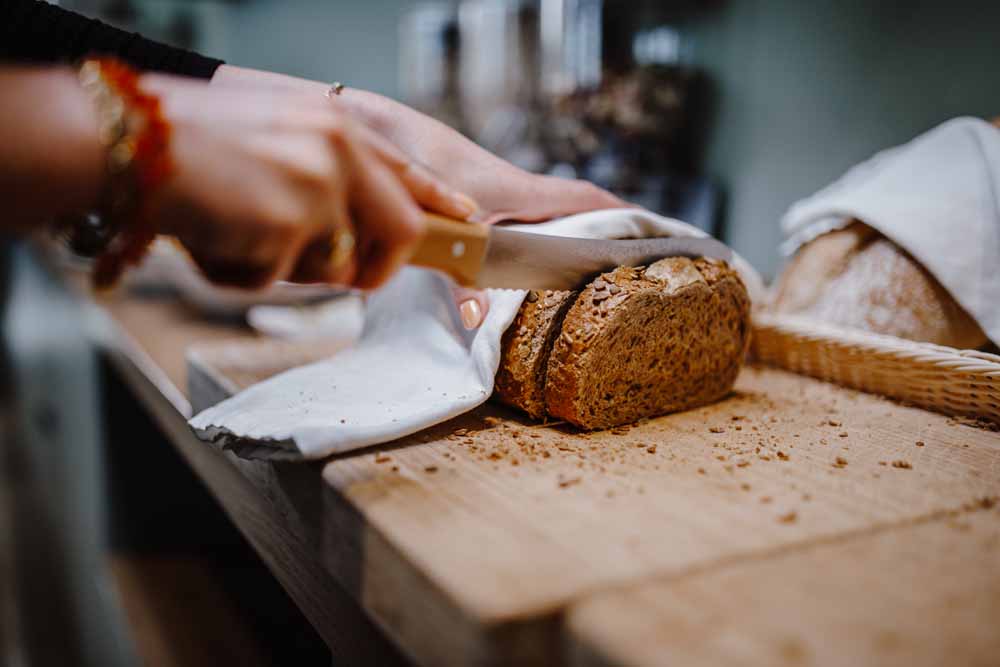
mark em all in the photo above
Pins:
pixel 455 247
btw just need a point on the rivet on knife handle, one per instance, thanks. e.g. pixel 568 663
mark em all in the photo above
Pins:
pixel 454 247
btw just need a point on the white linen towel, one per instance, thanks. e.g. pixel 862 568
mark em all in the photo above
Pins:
pixel 936 197
pixel 414 365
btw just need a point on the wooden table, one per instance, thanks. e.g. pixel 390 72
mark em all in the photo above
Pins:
pixel 796 522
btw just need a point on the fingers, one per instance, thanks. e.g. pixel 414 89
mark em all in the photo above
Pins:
pixel 426 188
pixel 472 306
pixel 536 198
pixel 429 191
pixel 247 260
pixel 389 222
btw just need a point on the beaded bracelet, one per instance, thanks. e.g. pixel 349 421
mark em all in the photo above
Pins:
pixel 137 138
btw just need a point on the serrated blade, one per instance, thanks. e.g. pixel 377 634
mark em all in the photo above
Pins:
pixel 522 260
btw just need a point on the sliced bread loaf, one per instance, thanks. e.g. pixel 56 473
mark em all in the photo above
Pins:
pixel 636 342
pixel 525 348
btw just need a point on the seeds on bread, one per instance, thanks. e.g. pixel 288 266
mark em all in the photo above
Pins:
pixel 634 343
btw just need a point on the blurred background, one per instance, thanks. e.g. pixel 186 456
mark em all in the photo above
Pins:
pixel 720 113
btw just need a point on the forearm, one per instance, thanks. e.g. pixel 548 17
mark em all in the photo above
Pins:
pixel 51 159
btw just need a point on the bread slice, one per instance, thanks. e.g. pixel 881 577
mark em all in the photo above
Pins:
pixel 525 348
pixel 635 343
pixel 856 277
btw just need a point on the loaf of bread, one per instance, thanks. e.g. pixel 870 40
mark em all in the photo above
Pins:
pixel 525 349
pixel 856 277
pixel 634 343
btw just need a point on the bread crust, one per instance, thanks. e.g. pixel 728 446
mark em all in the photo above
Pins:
pixel 524 350
pixel 671 337
pixel 635 343
pixel 858 278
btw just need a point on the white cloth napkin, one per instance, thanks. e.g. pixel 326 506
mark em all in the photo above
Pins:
pixel 936 197
pixel 414 365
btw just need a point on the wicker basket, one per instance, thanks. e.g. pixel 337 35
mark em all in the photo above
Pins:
pixel 942 379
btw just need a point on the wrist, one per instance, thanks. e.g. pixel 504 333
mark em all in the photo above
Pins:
pixel 72 155
pixel 82 134
pixel 134 140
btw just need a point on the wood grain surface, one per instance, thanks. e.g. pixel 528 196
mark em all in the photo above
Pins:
pixel 509 521
pixel 468 542
pixel 922 593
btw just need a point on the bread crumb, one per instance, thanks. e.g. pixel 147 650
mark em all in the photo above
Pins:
pixel 899 463
pixel 765 500
pixel 651 449
pixel 783 456
pixel 840 462
pixel 382 458
pixel 461 431
pixel 790 517
pixel 716 429
pixel 745 486
pixel 569 481
pixel 833 422
pixel 843 434
pixel 491 421
pixel 920 443
pixel 431 469
pixel 701 471
pixel 395 468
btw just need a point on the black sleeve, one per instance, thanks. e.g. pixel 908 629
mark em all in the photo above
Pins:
pixel 32 31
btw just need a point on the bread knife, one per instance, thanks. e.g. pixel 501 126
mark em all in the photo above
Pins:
pixel 476 255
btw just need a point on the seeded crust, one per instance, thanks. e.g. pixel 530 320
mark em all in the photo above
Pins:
pixel 525 350
pixel 634 343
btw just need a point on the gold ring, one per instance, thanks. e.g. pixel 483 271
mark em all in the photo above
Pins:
pixel 341 248
pixel 336 89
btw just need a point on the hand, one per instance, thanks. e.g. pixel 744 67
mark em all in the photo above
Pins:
pixel 502 191
pixel 263 182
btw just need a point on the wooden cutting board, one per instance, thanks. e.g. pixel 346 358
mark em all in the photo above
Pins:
pixel 473 541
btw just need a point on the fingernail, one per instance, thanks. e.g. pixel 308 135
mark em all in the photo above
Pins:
pixel 465 204
pixel 472 314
